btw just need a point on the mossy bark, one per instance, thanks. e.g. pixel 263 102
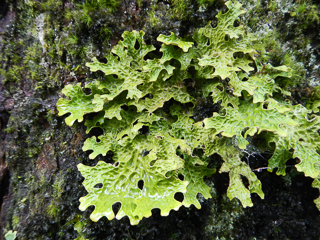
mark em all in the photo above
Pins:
pixel 45 45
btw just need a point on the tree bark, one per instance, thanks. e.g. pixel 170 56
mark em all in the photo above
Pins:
pixel 45 45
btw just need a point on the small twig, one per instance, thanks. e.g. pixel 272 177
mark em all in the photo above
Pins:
pixel 263 168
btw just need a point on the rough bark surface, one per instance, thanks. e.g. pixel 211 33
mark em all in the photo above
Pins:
pixel 45 45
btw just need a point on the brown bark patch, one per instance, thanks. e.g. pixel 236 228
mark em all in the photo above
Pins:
pixel 46 161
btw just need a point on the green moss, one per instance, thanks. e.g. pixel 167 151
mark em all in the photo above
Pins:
pixel 11 59
pixel 53 210
pixel 271 50
pixel 205 3
pixel 10 129
pixel 306 12
pixel 54 207
pixel 15 221
pixel 154 18
pixel 179 8
pixel 50 5
pixel 183 9
pixel 288 40
pixel 78 225
pixel 272 5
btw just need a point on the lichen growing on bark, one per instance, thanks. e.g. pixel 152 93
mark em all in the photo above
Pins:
pixel 29 103
pixel 151 166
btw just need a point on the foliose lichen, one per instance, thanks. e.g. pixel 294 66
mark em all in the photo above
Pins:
pixel 145 106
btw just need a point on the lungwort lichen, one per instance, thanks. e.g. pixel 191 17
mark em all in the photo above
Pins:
pixel 145 106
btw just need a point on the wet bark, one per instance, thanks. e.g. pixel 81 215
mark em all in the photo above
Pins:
pixel 45 45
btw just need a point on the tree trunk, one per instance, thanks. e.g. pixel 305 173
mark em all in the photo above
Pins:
pixel 45 45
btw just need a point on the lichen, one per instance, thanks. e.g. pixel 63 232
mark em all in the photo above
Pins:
pixel 144 109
